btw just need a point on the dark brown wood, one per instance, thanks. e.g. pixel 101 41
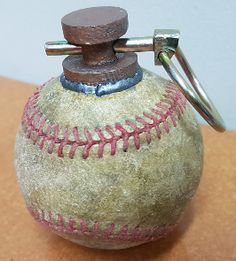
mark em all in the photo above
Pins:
pixel 76 71
pixel 98 54
pixel 96 29
pixel 95 25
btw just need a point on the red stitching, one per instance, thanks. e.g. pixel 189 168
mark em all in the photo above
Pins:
pixel 83 226
pixel 111 232
pixel 38 128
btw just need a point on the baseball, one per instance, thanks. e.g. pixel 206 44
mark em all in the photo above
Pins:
pixel 109 172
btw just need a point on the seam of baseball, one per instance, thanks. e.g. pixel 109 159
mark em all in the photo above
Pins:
pixel 172 104
pixel 99 230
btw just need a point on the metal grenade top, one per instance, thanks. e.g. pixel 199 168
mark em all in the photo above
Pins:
pixel 109 154
pixel 98 70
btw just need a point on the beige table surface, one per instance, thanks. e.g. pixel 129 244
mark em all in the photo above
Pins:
pixel 207 231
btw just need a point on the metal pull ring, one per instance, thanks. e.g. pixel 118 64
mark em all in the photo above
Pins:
pixel 195 94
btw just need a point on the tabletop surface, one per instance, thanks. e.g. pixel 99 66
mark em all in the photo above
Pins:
pixel 206 232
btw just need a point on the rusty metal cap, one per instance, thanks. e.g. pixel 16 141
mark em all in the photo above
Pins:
pixel 95 25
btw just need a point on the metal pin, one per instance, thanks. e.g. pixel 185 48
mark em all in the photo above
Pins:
pixel 122 45
pixel 61 48
pixel 166 37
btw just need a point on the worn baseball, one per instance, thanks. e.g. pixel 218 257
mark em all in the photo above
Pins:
pixel 109 172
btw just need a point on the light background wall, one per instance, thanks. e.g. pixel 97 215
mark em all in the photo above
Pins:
pixel 208 38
